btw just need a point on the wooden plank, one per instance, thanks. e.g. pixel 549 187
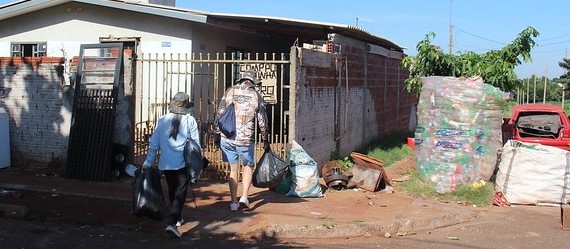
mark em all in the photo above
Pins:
pixel 366 177
pixel 370 162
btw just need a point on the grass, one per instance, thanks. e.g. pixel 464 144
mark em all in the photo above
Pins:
pixel 390 149
pixel 393 148
pixel 464 194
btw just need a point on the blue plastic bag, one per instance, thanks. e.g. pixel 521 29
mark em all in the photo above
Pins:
pixel 227 121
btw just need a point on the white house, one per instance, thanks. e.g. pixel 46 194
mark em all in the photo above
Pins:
pixel 172 49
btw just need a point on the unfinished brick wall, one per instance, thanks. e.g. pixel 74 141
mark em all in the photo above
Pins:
pixel 39 108
pixel 347 97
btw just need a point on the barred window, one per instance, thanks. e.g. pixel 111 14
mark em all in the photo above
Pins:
pixel 28 49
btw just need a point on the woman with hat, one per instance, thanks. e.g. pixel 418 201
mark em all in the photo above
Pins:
pixel 169 137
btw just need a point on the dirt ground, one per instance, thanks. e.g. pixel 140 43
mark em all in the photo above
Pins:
pixel 401 169
pixel 97 212
pixel 67 216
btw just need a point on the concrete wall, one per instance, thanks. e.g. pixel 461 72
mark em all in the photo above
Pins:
pixel 347 97
pixel 39 107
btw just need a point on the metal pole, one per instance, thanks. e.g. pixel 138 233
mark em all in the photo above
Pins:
pixel 563 88
pixel 544 92
pixel 527 91
pixel 450 31
pixel 534 95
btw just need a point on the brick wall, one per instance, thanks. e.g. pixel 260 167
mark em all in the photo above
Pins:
pixel 39 107
pixel 347 97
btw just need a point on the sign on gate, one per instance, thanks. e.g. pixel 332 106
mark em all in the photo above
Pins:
pixel 267 73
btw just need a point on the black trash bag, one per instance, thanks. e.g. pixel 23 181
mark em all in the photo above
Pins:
pixel 284 185
pixel 269 171
pixel 148 199
pixel 193 159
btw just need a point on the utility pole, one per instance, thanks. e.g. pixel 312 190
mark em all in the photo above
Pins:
pixel 544 92
pixel 527 91
pixel 565 72
pixel 450 31
pixel 534 94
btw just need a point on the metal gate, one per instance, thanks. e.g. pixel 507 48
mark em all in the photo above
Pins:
pixel 205 77
pixel 92 123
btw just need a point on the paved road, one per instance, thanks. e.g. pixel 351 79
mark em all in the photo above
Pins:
pixel 510 227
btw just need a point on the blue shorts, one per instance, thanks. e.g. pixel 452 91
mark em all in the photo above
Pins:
pixel 232 153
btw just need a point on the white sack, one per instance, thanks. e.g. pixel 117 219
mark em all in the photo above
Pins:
pixel 533 173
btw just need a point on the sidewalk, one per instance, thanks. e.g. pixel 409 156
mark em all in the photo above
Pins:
pixel 345 213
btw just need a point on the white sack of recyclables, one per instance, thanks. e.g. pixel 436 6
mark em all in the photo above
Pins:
pixel 534 174
pixel 304 173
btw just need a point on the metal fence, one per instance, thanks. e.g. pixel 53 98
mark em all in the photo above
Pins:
pixel 205 77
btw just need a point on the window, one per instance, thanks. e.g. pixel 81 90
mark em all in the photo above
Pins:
pixel 29 49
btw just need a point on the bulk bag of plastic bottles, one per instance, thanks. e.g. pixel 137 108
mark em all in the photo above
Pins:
pixel 458 134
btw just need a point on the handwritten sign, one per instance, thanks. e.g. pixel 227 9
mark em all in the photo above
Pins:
pixel 268 75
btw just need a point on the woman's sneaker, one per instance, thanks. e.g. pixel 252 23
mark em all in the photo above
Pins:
pixel 234 206
pixel 180 222
pixel 243 202
pixel 172 231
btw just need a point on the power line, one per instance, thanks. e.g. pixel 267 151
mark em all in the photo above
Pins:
pixel 480 37
pixel 552 38
pixel 554 43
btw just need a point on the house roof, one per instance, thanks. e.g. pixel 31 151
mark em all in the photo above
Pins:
pixel 269 25
pixel 263 25
pixel 26 6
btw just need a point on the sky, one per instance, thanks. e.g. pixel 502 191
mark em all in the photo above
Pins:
pixel 477 25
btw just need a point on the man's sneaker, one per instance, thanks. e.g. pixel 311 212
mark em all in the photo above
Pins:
pixel 234 206
pixel 243 202
pixel 172 231
pixel 180 222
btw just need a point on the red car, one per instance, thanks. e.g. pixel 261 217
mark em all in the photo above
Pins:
pixel 540 123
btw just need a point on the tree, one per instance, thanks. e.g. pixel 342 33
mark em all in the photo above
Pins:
pixel 496 67
pixel 565 78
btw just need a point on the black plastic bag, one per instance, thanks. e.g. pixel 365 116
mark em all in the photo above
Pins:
pixel 193 159
pixel 269 171
pixel 227 121
pixel 148 199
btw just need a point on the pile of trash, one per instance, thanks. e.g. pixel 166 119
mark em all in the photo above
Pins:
pixel 303 178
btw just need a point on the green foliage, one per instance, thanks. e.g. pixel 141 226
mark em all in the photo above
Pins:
pixel 531 90
pixel 388 149
pixel 565 78
pixel 391 156
pixel 345 162
pixel 465 194
pixel 391 148
pixel 507 108
pixel 496 67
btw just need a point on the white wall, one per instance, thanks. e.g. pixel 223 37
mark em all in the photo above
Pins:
pixel 64 32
